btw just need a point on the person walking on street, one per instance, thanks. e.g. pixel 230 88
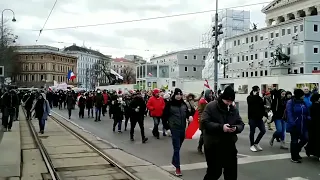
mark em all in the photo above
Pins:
pixel 42 111
pixel 156 105
pixel 201 106
pixel 98 103
pixel 105 102
pixel 70 100
pixel 297 117
pixel 10 102
pixel 89 104
pixel 82 105
pixel 256 111
pixel 221 123
pixel 137 108
pixel 176 114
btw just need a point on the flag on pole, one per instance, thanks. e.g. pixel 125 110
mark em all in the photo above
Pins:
pixel 206 84
pixel 71 75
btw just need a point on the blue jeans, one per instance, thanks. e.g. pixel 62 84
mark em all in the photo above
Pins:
pixel 155 131
pixel 177 140
pixel 117 122
pixel 253 123
pixel 42 123
pixel 280 132
pixel 98 113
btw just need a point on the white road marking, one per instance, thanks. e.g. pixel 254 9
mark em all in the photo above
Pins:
pixel 245 160
pixel 297 178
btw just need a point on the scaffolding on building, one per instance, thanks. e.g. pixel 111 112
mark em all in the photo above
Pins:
pixel 234 22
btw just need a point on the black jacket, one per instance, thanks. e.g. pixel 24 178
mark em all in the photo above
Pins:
pixel 175 115
pixel 135 102
pixel 256 109
pixel 214 116
pixel 278 106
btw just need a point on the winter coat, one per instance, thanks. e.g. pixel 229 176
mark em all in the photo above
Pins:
pixel 307 100
pixel 256 109
pixel 176 114
pixel 156 106
pixel 70 100
pixel 89 102
pixel 214 116
pixel 45 111
pixel 313 131
pixel 118 110
pixel 297 116
pixel 98 100
pixel 137 102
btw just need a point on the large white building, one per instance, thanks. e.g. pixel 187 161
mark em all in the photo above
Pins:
pixel 234 22
pixel 87 58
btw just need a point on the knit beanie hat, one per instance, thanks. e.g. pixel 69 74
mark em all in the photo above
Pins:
pixel 255 88
pixel 228 94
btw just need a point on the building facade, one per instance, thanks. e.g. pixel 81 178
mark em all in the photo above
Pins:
pixel 253 54
pixel 135 58
pixel 183 64
pixel 234 22
pixel 126 68
pixel 41 65
pixel 88 59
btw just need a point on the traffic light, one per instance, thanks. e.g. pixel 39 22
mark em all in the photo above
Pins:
pixel 218 30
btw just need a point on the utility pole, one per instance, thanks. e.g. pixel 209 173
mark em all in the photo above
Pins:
pixel 216 32
pixel 87 76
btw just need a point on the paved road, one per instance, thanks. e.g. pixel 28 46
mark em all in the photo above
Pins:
pixel 272 163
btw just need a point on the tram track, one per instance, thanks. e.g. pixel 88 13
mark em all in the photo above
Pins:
pixel 56 161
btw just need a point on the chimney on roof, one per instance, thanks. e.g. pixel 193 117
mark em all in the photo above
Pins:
pixel 74 44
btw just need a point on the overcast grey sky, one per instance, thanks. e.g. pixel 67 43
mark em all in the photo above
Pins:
pixel 143 38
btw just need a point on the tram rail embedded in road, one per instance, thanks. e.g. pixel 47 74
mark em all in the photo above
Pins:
pixel 46 157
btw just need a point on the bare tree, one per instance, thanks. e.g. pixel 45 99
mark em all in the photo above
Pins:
pixel 129 75
pixel 8 54
pixel 100 72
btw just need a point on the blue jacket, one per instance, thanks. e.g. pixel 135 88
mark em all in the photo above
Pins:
pixel 297 116
pixel 307 100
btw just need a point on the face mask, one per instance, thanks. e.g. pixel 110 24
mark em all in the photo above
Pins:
pixel 98 91
pixel 40 97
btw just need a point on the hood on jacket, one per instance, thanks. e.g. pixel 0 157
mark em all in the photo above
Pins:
pixel 43 95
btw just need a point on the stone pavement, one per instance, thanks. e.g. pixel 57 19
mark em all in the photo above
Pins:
pixel 252 165
pixel 10 153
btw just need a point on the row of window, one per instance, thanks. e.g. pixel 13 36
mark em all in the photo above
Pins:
pixel 265 72
pixel 186 69
pixel 40 78
pixel 271 35
pixel 41 57
pixel 45 67
pixel 186 57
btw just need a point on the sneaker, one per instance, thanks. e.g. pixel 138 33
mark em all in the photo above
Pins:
pixel 144 140
pixel 253 148
pixel 178 172
pixel 131 139
pixel 119 131
pixel 9 130
pixel 283 145
pixel 258 147
pixel 295 160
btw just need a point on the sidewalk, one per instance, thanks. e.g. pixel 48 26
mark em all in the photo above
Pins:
pixel 10 153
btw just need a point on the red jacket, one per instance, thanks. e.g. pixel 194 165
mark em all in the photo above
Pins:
pixel 156 106
pixel 105 98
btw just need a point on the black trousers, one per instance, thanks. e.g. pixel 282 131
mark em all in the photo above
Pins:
pixel 221 158
pixel 134 120
pixel 69 112
pixel 28 112
pixel 8 119
pixel 104 109
pixel 81 112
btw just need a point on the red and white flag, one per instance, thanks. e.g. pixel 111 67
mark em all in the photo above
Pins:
pixel 149 74
pixel 206 84
pixel 193 131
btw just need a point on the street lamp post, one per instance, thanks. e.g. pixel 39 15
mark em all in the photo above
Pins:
pixel 2 22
